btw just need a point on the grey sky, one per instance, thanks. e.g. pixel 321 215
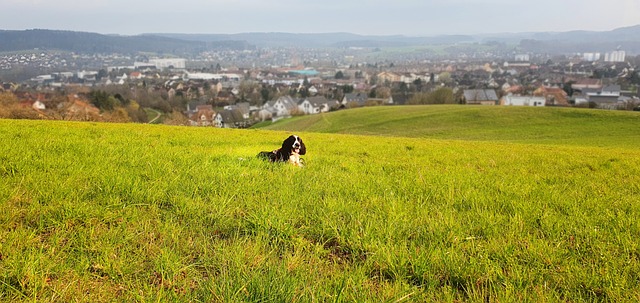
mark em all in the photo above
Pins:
pixel 376 17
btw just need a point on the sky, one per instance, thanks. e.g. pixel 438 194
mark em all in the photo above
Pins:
pixel 418 18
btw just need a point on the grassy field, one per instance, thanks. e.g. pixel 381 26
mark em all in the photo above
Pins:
pixel 97 212
pixel 564 126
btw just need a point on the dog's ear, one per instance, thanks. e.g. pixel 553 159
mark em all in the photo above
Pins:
pixel 287 144
pixel 303 149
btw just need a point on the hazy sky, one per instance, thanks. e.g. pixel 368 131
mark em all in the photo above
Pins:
pixel 376 17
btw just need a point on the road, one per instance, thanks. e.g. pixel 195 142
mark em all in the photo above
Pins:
pixel 158 115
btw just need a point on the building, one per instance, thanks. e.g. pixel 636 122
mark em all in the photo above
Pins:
pixel 511 100
pixel 615 56
pixel 178 63
pixel 591 57
pixel 554 96
pixel 204 116
pixel 586 83
pixel 388 77
pixel 230 118
pixel 318 104
pixel 480 96
pixel 355 99
pixel 283 107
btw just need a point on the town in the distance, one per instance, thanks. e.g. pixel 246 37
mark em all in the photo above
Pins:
pixel 237 88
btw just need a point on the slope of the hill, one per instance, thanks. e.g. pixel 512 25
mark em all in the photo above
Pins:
pixel 566 126
pixel 98 212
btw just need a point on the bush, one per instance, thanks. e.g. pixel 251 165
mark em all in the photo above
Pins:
pixel 19 112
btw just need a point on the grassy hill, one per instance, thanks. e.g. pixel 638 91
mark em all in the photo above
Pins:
pixel 123 212
pixel 564 126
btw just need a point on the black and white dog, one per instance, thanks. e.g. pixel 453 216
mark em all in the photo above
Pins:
pixel 291 150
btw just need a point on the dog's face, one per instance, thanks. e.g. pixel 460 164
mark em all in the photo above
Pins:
pixel 294 145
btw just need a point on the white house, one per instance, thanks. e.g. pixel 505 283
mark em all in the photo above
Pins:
pixel 511 100
pixel 282 107
pixel 286 106
pixel 307 108
pixel 316 105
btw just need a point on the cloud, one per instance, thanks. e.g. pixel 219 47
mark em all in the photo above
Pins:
pixel 59 5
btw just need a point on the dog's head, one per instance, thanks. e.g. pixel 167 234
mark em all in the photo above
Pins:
pixel 293 144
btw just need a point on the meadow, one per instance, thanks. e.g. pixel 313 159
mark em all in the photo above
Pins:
pixel 535 125
pixel 97 212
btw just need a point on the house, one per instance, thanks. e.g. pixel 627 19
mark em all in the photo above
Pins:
pixel 225 96
pixel 263 115
pixel 480 96
pixel 608 97
pixel 581 84
pixel 316 105
pixel 409 77
pixel 554 95
pixel 512 89
pixel 230 119
pixel 216 87
pixel 269 106
pixel 205 116
pixel 610 90
pixel 511 100
pixel 243 107
pixel 388 77
pixel 282 107
pixel 307 108
pixel 354 99
pixel 606 102
pixel 135 75
pixel 194 106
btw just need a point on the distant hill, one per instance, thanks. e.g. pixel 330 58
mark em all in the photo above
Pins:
pixel 631 33
pixel 323 39
pixel 627 38
pixel 270 39
pixel 553 42
pixel 85 42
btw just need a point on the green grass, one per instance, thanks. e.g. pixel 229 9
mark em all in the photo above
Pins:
pixel 154 116
pixel 126 212
pixel 558 126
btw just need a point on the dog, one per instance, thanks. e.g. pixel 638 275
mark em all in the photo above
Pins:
pixel 291 150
